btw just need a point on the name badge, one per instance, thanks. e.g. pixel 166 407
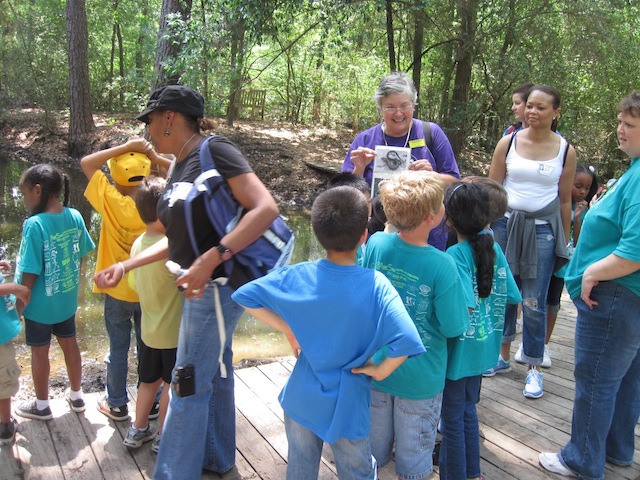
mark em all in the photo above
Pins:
pixel 418 142
pixel 545 169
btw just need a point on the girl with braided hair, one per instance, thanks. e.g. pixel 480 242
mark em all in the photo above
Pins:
pixel 489 286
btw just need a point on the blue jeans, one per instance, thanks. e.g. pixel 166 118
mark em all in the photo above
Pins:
pixel 119 317
pixel 607 373
pixel 412 424
pixel 353 457
pixel 200 430
pixel 460 448
pixel 534 295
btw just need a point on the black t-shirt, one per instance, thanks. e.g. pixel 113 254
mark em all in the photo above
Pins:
pixel 229 162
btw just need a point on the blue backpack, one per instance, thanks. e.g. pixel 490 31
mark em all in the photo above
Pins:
pixel 269 252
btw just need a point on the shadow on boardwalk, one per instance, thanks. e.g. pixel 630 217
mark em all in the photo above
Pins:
pixel 513 429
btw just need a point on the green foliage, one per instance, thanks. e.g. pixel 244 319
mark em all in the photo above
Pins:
pixel 321 60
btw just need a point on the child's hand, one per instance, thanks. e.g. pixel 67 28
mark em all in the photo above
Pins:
pixel 295 346
pixel 109 277
pixel 579 209
pixel 23 293
pixel 370 369
pixel 382 370
pixel 141 145
pixel 5 266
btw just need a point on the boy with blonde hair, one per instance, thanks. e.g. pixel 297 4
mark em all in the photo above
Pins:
pixel 429 284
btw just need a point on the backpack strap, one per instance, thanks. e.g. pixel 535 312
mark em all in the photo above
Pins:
pixel 207 167
pixel 566 152
pixel 513 137
pixel 428 138
pixel 428 141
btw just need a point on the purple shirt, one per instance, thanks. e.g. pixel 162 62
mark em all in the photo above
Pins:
pixel 442 159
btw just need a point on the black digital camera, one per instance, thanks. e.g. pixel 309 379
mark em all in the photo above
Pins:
pixel 184 380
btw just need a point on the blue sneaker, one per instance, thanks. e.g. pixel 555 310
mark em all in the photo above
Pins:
pixel 533 385
pixel 501 367
pixel 137 436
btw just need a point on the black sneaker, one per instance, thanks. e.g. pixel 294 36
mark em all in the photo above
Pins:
pixel 76 405
pixel 8 432
pixel 119 414
pixel 29 409
pixel 155 411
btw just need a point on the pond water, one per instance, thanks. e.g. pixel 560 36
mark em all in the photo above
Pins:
pixel 252 338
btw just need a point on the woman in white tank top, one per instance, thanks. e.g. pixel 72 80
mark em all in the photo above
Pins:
pixel 536 166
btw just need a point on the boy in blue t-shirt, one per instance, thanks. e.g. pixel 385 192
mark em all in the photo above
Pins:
pixel 10 327
pixel 336 315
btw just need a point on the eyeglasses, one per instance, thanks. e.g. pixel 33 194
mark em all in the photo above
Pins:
pixel 405 107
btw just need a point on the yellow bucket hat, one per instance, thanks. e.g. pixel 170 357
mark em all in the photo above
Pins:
pixel 129 169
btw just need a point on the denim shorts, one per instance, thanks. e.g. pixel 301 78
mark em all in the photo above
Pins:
pixel 39 334
pixel 412 424
pixel 9 371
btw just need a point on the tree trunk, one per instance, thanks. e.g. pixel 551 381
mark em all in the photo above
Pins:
pixel 459 119
pixel 418 38
pixel 169 43
pixel 237 62
pixel 81 119
pixel 121 59
pixel 390 36
pixel 205 58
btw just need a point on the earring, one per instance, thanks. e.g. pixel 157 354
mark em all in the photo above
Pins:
pixel 167 133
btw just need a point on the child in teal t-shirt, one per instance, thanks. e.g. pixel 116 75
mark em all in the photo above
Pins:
pixel 489 287
pixel 54 240
pixel 430 287
pixel 10 327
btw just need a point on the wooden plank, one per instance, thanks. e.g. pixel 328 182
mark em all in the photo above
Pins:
pixel 250 400
pixel 114 460
pixel 261 456
pixel 10 461
pixel 73 449
pixel 264 386
pixel 34 448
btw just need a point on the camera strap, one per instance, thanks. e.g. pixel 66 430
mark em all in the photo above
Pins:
pixel 222 331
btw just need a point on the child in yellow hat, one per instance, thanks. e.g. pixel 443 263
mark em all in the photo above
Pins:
pixel 128 164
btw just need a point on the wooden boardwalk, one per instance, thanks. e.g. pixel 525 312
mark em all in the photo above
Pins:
pixel 513 429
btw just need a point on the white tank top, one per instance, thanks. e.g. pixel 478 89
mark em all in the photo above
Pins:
pixel 532 184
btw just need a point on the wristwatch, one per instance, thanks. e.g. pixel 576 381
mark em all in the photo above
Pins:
pixel 225 253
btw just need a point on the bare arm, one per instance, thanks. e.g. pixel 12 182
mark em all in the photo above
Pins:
pixel 609 268
pixel 361 158
pixel 28 280
pixel 275 321
pixel 564 191
pixel 261 212
pixel 92 163
pixel 22 293
pixel 111 276
pixel 381 370
pixel 498 168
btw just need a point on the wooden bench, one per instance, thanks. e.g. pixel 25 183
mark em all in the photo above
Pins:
pixel 253 99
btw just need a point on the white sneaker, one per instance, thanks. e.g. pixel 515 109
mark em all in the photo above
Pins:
pixel 552 462
pixel 518 356
pixel 546 358
pixel 533 385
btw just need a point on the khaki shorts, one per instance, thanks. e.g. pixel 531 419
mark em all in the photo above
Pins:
pixel 9 371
